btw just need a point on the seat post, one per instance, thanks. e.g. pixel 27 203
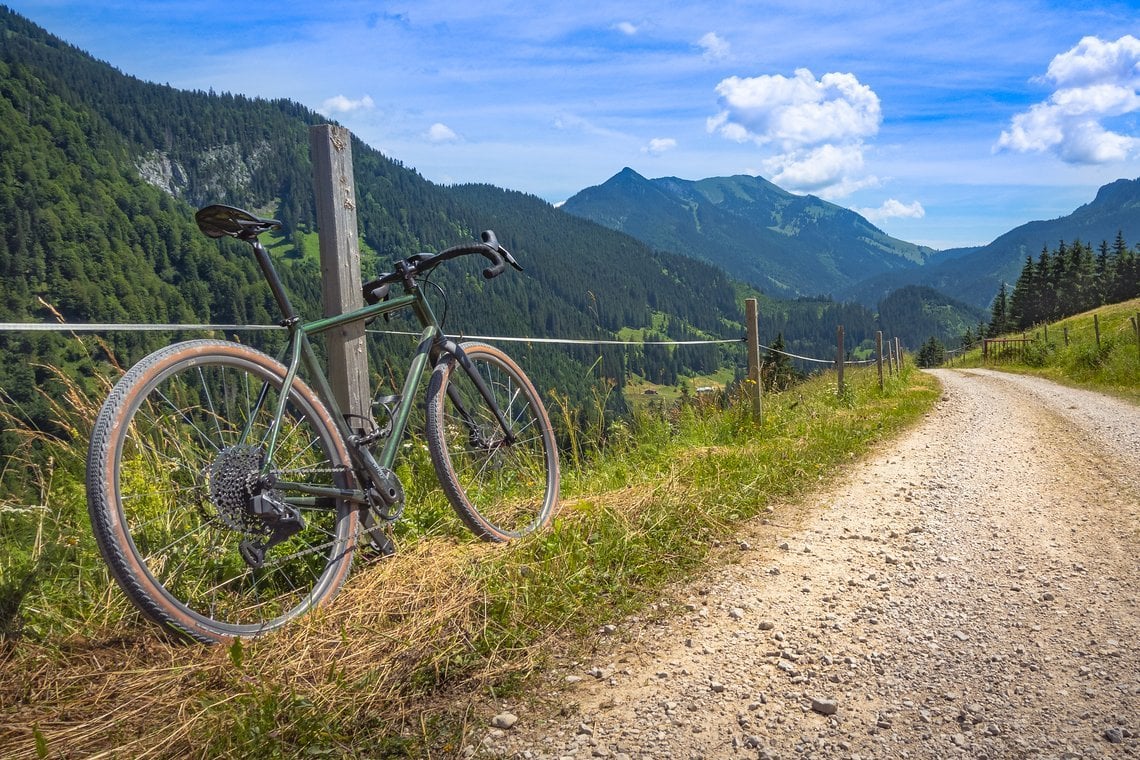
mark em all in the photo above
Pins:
pixel 274 281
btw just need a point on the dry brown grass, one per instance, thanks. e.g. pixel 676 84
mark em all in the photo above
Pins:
pixel 140 696
pixel 402 627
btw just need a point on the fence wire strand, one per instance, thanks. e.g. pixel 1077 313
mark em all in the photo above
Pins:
pixel 142 327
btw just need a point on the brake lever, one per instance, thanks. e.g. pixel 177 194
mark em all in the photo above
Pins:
pixel 510 259
pixel 489 239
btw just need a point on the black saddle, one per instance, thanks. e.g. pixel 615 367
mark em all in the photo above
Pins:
pixel 220 221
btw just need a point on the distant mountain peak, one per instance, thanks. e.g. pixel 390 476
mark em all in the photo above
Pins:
pixel 785 244
pixel 974 275
pixel 1118 192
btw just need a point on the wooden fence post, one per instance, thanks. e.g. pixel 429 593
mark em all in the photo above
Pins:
pixel 331 150
pixel 1096 329
pixel 752 332
pixel 898 353
pixel 879 356
pixel 839 355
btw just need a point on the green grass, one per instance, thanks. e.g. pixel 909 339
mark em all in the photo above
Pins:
pixel 644 503
pixel 1113 366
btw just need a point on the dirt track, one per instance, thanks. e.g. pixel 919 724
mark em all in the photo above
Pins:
pixel 973 590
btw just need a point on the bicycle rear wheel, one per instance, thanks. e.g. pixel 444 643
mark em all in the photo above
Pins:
pixel 501 488
pixel 172 477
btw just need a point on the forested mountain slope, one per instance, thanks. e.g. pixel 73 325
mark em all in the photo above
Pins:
pixel 785 244
pixel 100 173
pixel 976 275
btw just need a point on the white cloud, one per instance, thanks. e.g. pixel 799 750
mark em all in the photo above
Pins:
pixel 570 122
pixel 625 27
pixel 716 48
pixel 659 145
pixel 1094 81
pixel 441 133
pixel 814 128
pixel 893 209
pixel 341 104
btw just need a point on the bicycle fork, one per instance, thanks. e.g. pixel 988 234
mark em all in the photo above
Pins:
pixel 449 346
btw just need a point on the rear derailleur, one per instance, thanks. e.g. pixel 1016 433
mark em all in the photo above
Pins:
pixel 280 521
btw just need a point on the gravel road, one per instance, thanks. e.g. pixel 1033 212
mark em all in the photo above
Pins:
pixel 969 591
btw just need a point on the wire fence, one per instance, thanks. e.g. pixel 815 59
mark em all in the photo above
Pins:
pixel 66 327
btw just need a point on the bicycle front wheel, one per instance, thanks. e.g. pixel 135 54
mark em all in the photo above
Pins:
pixel 189 533
pixel 503 483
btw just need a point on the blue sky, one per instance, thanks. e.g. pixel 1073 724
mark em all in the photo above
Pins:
pixel 947 122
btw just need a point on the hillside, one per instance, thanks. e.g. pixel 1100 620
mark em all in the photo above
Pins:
pixel 787 245
pixel 100 173
pixel 975 275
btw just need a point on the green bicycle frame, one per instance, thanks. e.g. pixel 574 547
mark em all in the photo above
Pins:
pixel 301 353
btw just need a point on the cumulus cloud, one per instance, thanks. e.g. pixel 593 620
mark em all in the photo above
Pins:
pixel 716 48
pixel 893 209
pixel 1095 81
pixel 626 27
pixel 441 133
pixel 814 129
pixel 341 104
pixel 659 145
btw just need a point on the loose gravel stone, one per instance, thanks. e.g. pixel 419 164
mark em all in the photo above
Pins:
pixel 825 706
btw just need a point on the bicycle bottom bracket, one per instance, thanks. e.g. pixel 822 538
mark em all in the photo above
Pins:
pixel 386 494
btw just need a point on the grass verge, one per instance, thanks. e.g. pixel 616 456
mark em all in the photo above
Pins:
pixel 1069 352
pixel 83 677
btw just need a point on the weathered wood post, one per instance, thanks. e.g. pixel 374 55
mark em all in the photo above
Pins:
pixel 879 356
pixel 1096 329
pixel 839 355
pixel 752 334
pixel 898 353
pixel 331 150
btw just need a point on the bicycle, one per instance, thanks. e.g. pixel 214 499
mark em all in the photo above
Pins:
pixel 227 495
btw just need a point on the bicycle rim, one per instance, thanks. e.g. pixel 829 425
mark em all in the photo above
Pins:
pixel 174 453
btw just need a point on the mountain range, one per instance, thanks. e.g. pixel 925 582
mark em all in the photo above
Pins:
pixel 790 245
pixel 787 245
pixel 974 275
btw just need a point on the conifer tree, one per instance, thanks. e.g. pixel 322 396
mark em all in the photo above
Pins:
pixel 999 315
pixel 1023 301
pixel 778 370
